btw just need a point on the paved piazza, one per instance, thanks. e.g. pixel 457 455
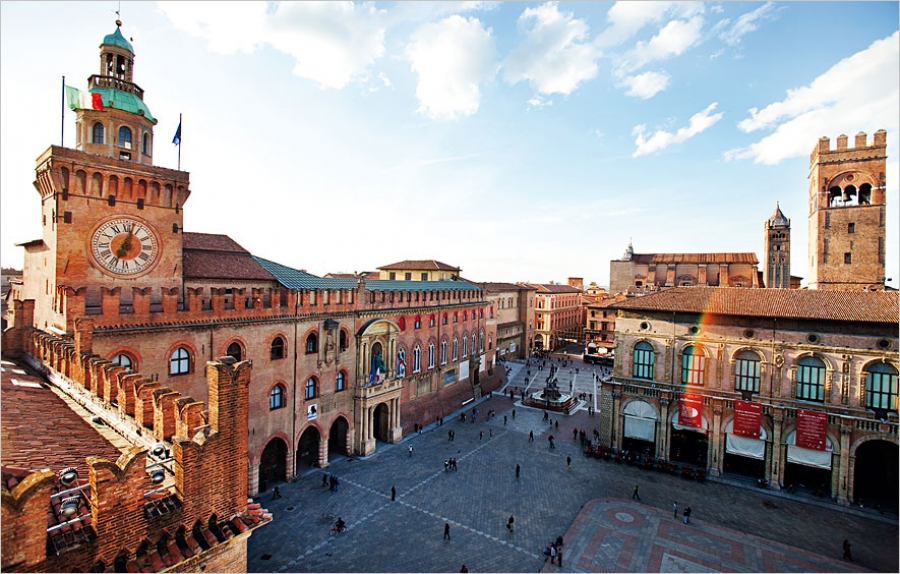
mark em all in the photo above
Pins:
pixel 733 528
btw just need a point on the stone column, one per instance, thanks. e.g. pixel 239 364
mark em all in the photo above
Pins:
pixel 323 452
pixel 718 446
pixel 616 434
pixel 843 487
pixel 253 480
pixel 662 438
pixel 777 449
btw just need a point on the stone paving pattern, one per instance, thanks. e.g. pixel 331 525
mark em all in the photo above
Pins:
pixel 733 528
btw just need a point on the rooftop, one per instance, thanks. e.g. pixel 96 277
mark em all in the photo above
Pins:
pixel 858 306
pixel 695 258
pixel 417 264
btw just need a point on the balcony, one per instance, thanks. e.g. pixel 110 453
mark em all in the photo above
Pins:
pixel 112 83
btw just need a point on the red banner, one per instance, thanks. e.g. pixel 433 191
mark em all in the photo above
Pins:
pixel 689 411
pixel 811 429
pixel 747 416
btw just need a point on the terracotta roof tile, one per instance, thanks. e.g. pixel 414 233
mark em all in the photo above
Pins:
pixel 496 287
pixel 223 265
pixel 749 258
pixel 555 288
pixel 421 264
pixel 39 430
pixel 211 242
pixel 861 306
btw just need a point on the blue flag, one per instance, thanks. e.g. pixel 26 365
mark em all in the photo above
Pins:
pixel 177 139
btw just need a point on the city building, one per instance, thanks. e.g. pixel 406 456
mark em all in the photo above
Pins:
pixel 512 307
pixel 847 213
pixel 338 363
pixel 600 323
pixel 419 270
pixel 815 373
pixel 557 315
pixel 777 247
pixel 637 271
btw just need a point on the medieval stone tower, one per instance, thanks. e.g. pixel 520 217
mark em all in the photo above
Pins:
pixel 777 246
pixel 847 213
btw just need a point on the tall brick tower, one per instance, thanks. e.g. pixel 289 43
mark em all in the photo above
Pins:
pixel 847 214
pixel 777 246
pixel 111 220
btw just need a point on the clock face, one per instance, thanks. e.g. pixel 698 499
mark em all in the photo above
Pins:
pixel 125 246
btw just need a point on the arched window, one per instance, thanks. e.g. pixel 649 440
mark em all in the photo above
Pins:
pixel 311 388
pixel 811 379
pixel 401 363
pixel 693 366
pixel 125 137
pixel 98 133
pixel 234 350
pixel 124 360
pixel 430 355
pixel 417 359
pixel 339 381
pixel 474 338
pixel 443 352
pixel 418 322
pixel 455 349
pixel 746 372
pixel 277 349
pixel 145 144
pixel 881 387
pixel 465 348
pixel 276 397
pixel 312 344
pixel 431 321
pixel 180 362
pixel 342 340
pixel 642 361
pixel 481 342
pixel 444 319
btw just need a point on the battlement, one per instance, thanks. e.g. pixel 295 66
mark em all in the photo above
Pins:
pixel 860 150
pixel 177 491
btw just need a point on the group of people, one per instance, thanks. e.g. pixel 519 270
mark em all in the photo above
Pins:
pixel 450 464
pixel 331 481
pixel 554 551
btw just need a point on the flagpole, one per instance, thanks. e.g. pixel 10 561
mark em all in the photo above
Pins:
pixel 179 142
pixel 62 114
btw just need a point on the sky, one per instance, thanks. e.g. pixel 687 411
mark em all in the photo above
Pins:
pixel 518 141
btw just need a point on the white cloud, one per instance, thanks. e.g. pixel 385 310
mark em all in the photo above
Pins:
pixel 627 18
pixel 453 58
pixel 660 140
pixel 672 40
pixel 555 54
pixel 858 93
pixel 332 43
pixel 746 23
pixel 538 102
pixel 646 85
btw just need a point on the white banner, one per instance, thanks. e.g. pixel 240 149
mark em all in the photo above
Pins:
pixel 808 456
pixel 745 446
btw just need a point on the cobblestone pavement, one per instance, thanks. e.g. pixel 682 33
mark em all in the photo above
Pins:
pixel 733 528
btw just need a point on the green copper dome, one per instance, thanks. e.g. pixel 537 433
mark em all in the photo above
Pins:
pixel 117 39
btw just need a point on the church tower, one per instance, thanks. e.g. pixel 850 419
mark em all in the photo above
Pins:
pixel 112 221
pixel 847 213
pixel 777 246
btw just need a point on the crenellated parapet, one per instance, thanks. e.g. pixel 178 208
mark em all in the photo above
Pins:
pixel 183 481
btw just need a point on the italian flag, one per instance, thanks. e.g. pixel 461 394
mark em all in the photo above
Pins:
pixel 79 99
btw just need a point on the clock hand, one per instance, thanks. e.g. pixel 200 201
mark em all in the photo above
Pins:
pixel 125 246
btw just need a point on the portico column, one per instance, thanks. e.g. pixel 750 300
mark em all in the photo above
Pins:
pixel 777 448
pixel 843 487
pixel 323 452
pixel 716 468
pixel 253 480
pixel 662 436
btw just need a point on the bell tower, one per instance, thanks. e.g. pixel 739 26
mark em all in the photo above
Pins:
pixel 777 246
pixel 112 221
pixel 847 213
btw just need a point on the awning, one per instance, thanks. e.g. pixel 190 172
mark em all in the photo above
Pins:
pixel 673 418
pixel 640 421
pixel 745 445
pixel 808 456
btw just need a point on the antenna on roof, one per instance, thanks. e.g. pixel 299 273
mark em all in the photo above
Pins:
pixel 119 15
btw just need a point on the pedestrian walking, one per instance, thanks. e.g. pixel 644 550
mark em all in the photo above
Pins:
pixel 559 553
pixel 514 414
pixel 335 483
pixel 490 433
pixel 449 435
pixel 848 554
pixel 446 531
pixel 634 493
pixel 393 493
pixel 510 522
pixel 504 420
pixel 325 479
pixel 568 462
pixel 410 450
pixel 557 425
pixel 463 569
pixel 480 434
pixel 530 436
pixel 276 493
pixel 675 509
pixel 686 513
pixel 553 554
pixel 574 433
pixel 517 470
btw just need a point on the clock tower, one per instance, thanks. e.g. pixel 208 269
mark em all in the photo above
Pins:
pixel 111 219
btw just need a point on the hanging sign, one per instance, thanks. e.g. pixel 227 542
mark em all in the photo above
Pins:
pixel 689 411
pixel 747 416
pixel 811 429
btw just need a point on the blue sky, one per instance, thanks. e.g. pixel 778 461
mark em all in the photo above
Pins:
pixel 518 141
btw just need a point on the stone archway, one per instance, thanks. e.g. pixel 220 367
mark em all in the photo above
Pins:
pixel 337 437
pixel 875 474
pixel 273 463
pixel 381 427
pixel 308 449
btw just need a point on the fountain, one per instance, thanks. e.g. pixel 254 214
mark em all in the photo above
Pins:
pixel 551 398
